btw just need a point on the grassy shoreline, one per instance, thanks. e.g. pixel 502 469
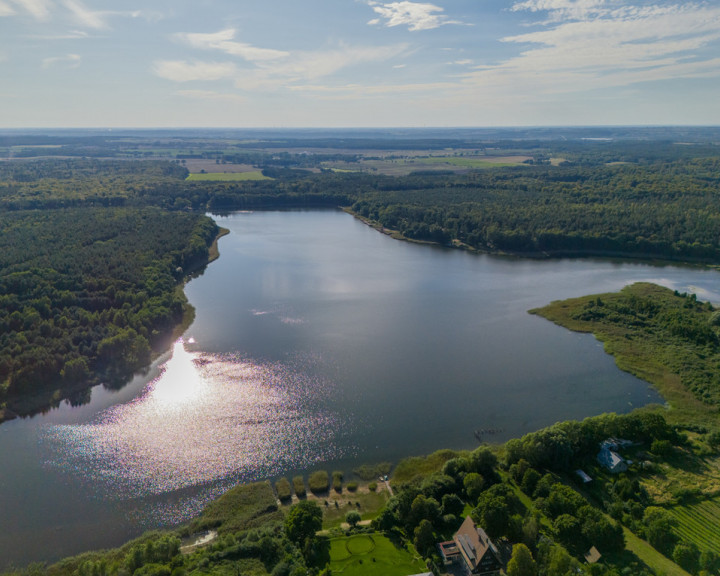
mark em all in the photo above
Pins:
pixel 664 364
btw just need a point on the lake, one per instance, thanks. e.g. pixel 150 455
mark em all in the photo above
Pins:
pixel 318 343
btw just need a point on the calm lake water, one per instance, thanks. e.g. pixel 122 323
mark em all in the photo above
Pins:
pixel 318 342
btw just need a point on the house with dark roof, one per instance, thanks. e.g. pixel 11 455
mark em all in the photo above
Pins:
pixel 472 546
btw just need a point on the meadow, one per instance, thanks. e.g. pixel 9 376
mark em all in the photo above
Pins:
pixel 373 555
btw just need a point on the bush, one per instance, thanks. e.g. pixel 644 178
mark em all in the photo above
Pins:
pixel 661 447
pixel 353 518
pixel 337 477
pixel 283 489
pixel 372 486
pixel 352 486
pixel 370 472
pixel 319 482
pixel 299 486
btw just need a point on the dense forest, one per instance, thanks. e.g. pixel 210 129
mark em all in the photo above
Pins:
pixel 88 275
pixel 662 210
pixel 87 294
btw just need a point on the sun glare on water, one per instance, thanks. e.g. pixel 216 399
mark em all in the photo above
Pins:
pixel 205 418
pixel 180 383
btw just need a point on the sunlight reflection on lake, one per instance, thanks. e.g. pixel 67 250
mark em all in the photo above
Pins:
pixel 204 418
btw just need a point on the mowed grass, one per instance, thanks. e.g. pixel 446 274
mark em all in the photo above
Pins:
pixel 651 557
pixel 228 176
pixel 699 523
pixel 373 555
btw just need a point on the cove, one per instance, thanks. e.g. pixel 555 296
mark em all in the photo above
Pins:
pixel 318 342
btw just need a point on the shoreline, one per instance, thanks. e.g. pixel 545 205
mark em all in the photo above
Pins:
pixel 456 244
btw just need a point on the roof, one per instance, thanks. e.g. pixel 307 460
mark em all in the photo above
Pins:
pixel 611 460
pixel 474 543
pixel 592 555
pixel 583 475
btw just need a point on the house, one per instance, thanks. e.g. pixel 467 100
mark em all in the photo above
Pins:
pixel 610 459
pixel 473 547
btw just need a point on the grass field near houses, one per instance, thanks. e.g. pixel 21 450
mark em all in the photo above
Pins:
pixel 373 555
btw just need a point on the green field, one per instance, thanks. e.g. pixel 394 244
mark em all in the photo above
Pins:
pixel 699 523
pixel 473 162
pixel 651 557
pixel 227 176
pixel 373 555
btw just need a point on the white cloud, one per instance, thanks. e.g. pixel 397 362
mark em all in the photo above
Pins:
pixel 69 60
pixel 71 35
pixel 415 15
pixel 224 41
pixel 270 69
pixel 592 44
pixel 183 71
pixel 302 67
pixel 6 9
pixel 39 9
pixel 559 9
pixel 87 18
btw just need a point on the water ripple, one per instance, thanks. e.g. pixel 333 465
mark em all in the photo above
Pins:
pixel 205 419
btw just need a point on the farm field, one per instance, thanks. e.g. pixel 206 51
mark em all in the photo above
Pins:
pixel 372 555
pixel 400 166
pixel 228 176
pixel 699 523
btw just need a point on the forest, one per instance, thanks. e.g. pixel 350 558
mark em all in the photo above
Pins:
pixel 89 276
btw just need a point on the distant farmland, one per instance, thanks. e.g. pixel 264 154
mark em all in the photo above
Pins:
pixel 228 176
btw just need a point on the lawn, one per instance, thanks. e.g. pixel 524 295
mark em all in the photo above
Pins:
pixel 373 555
pixel 228 176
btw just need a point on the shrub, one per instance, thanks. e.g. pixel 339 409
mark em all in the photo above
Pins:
pixel 372 486
pixel 337 481
pixel 369 472
pixel 299 486
pixel 352 486
pixel 282 487
pixel 319 482
pixel 353 518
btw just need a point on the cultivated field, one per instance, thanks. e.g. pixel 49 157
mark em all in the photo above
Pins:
pixel 699 523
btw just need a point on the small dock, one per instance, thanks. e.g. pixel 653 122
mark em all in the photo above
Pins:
pixel 480 433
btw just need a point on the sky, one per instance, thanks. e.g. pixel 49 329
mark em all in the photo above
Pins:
pixel 358 63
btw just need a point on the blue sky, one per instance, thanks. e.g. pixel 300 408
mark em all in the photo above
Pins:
pixel 358 63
